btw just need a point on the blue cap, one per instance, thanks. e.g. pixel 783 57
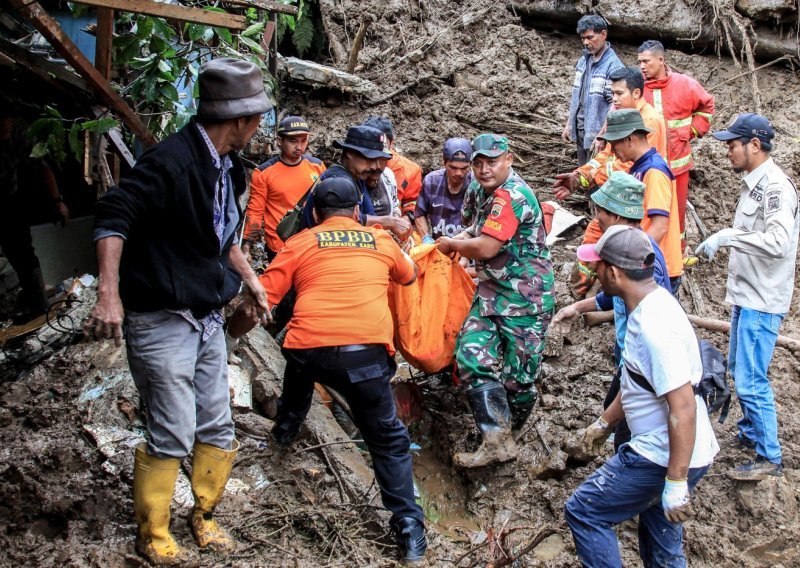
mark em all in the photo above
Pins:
pixel 457 150
pixel 747 125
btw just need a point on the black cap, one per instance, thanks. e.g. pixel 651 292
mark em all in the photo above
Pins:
pixel 336 193
pixel 367 141
pixel 747 125
pixel 293 125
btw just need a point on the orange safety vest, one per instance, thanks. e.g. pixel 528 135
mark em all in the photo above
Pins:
pixel 687 109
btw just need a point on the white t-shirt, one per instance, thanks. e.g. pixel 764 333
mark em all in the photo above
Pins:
pixel 661 345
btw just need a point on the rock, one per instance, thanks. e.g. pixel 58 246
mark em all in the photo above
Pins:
pixel 553 465
pixel 766 9
pixel 572 446
pixel 772 497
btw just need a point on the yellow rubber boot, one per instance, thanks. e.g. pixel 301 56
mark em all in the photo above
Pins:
pixel 153 486
pixel 210 471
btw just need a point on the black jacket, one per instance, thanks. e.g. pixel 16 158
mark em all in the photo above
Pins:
pixel 165 208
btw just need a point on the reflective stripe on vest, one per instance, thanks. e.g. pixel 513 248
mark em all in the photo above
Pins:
pixel 680 162
pixel 657 102
pixel 678 122
pixel 707 115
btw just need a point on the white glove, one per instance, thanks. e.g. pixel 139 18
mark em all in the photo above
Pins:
pixel 710 246
pixel 676 501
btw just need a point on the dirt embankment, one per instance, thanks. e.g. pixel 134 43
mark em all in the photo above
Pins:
pixel 65 489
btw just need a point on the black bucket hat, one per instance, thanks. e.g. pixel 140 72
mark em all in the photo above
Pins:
pixel 367 141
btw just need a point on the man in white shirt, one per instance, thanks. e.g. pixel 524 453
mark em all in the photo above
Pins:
pixel 763 242
pixel 672 443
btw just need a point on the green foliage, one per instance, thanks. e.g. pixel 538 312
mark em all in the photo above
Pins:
pixel 51 138
pixel 157 60
pixel 303 35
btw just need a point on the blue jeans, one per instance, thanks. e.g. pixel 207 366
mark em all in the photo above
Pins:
pixel 753 337
pixel 625 486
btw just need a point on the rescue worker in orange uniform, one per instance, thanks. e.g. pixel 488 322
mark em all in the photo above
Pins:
pixel 279 183
pixel 341 335
pixel 687 109
pixel 408 174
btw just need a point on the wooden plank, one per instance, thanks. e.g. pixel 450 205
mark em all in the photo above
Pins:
pixel 172 12
pixel 53 33
pixel 47 70
pixel 266 5
pixel 115 137
pixel 104 37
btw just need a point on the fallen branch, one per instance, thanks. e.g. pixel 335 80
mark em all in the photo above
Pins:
pixel 326 444
pixel 749 71
pixel 358 42
pixel 533 544
pixel 591 319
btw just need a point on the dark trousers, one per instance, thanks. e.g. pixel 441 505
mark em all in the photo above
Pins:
pixel 17 245
pixel 362 377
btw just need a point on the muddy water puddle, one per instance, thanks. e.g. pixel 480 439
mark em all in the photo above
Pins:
pixel 442 497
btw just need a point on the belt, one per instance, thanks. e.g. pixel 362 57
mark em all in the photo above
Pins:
pixel 356 347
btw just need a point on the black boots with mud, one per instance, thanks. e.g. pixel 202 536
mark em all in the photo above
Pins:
pixel 492 414
pixel 410 535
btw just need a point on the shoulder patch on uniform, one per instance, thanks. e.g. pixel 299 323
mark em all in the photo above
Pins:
pixel 271 162
pixel 773 201
pixel 346 239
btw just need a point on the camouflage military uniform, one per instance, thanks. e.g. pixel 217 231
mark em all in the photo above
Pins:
pixel 503 336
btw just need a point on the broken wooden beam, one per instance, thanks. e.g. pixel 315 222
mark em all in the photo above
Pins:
pixel 103 37
pixel 171 12
pixel 52 32
pixel 266 5
pixel 596 318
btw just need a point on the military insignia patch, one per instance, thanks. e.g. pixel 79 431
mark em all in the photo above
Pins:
pixel 346 239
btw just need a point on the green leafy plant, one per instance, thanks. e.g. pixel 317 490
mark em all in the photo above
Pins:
pixel 158 62
pixel 52 139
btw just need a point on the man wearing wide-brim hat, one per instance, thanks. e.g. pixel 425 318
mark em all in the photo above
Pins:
pixel 364 153
pixel 169 261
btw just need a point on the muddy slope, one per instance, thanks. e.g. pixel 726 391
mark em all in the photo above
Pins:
pixel 65 490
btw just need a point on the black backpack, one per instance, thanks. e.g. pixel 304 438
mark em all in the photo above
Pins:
pixel 713 386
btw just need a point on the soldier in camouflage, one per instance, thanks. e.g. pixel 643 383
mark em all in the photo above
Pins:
pixel 500 346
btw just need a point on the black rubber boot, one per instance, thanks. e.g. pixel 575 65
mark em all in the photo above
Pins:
pixel 287 425
pixel 410 534
pixel 490 408
pixel 520 411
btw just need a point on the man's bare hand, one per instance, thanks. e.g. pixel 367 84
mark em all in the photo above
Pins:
pixel 62 212
pixel 105 321
pixel 565 185
pixel 566 134
pixel 565 317
pixel 258 298
pixel 445 245
pixel 401 227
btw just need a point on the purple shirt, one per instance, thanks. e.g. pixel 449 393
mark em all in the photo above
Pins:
pixel 442 208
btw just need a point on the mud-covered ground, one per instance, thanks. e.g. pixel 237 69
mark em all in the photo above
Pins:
pixel 66 464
